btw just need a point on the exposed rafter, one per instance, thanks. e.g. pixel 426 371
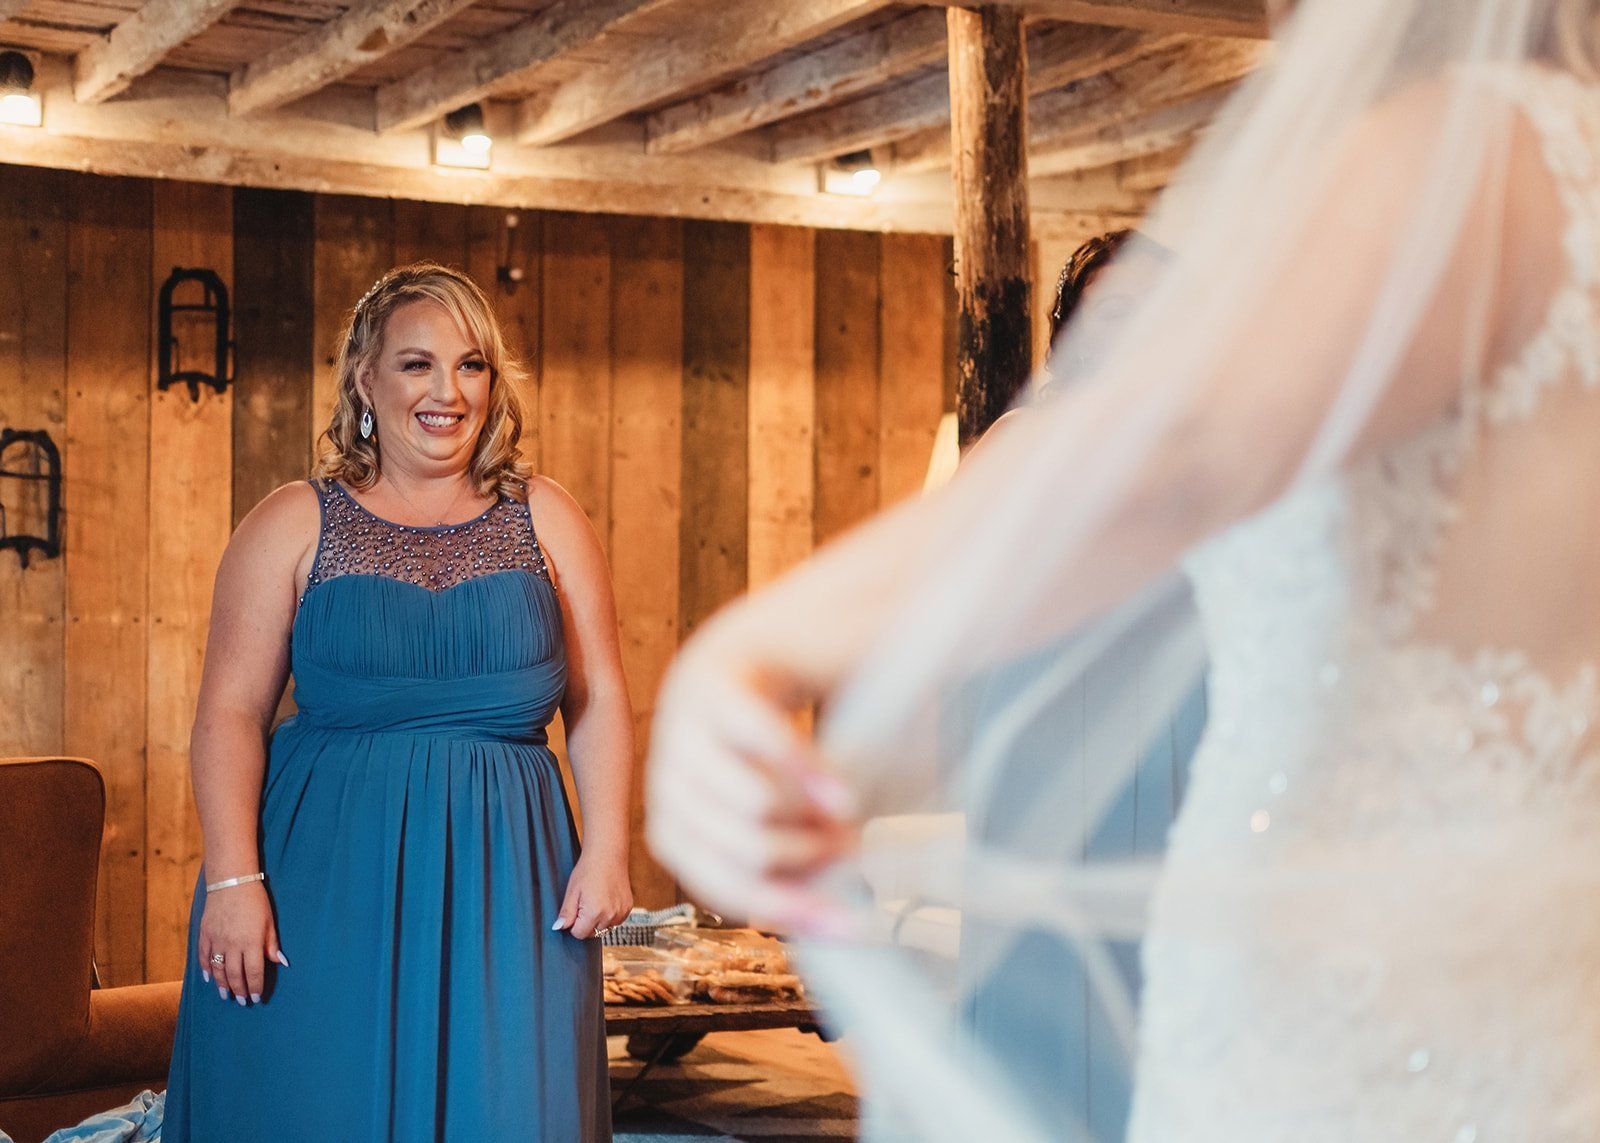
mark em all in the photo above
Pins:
pixel 1060 118
pixel 711 44
pixel 814 80
pixel 367 31
pixel 1149 134
pixel 1154 172
pixel 9 8
pixel 1194 17
pixel 1056 56
pixel 506 59
pixel 106 67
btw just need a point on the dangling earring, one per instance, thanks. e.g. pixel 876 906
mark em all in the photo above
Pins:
pixel 366 423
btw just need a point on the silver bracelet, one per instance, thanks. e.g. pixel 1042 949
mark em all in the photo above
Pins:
pixel 235 881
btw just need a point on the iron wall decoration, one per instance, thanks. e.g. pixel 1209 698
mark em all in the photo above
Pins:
pixel 46 469
pixel 215 305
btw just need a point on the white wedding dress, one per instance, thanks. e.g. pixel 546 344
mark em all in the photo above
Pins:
pixel 1380 918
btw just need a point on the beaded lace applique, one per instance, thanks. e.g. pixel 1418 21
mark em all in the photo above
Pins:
pixel 356 542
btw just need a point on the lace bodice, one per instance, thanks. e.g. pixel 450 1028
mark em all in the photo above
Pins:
pixel 1395 813
pixel 354 541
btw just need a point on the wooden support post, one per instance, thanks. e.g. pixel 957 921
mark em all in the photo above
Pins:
pixel 988 134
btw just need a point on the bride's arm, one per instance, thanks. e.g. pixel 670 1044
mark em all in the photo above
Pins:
pixel 740 809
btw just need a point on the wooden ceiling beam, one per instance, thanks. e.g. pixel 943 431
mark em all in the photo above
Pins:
pixel 1059 118
pixel 1056 56
pixel 367 31
pixel 9 8
pixel 1154 172
pixel 109 65
pixel 711 44
pixel 505 59
pixel 1247 18
pixel 815 80
pixel 1152 133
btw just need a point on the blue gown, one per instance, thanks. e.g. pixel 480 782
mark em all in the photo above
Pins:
pixel 417 843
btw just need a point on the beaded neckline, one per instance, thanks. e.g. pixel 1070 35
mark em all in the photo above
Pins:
pixel 412 527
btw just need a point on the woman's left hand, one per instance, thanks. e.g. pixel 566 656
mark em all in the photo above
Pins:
pixel 598 896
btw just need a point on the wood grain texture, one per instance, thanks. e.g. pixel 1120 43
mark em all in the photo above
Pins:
pixel 190 519
pixel 430 232
pixel 913 275
pixel 109 65
pixel 783 399
pixel 33 350
pixel 107 535
pixel 989 134
pixel 274 255
pixel 353 246
pixel 716 374
pixel 575 369
pixel 1245 18
pixel 510 239
pixel 847 356
pixel 646 494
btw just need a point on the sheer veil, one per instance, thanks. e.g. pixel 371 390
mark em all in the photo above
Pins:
pixel 1338 280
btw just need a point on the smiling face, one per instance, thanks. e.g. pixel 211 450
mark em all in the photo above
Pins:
pixel 429 390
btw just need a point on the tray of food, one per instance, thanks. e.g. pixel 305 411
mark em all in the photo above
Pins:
pixel 731 966
pixel 634 975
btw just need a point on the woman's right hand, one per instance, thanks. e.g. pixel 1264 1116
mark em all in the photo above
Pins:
pixel 740 807
pixel 237 922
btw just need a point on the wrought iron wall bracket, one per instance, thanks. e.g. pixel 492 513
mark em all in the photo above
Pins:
pixel 215 305
pixel 45 450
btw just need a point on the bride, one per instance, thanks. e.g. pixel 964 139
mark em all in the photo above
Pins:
pixel 1359 411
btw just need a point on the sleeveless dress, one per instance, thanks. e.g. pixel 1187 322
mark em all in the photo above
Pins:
pixel 1380 918
pixel 417 842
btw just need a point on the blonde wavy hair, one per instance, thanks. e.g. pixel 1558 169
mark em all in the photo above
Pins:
pixel 497 465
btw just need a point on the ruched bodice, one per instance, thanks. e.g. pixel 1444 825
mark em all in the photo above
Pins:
pixel 453 667
pixel 417 840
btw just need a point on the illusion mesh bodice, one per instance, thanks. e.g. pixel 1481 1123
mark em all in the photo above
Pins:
pixel 356 542
pixel 1381 913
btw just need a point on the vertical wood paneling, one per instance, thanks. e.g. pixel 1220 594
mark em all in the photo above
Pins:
pixel 274 256
pixel 716 368
pixel 430 231
pixel 190 517
pixel 33 349
pixel 646 459
pixel 354 245
pixel 491 244
pixel 107 508
pixel 575 369
pixel 783 399
pixel 911 360
pixel 847 380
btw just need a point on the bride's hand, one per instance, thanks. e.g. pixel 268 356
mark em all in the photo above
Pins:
pixel 740 807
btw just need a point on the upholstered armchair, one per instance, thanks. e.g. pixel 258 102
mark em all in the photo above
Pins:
pixel 67 1050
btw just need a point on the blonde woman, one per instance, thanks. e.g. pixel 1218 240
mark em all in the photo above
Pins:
pixel 393 930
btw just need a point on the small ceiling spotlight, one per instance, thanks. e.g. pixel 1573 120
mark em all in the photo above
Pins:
pixel 463 140
pixel 19 103
pixel 852 174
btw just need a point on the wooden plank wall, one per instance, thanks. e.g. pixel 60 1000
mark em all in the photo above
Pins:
pixel 719 397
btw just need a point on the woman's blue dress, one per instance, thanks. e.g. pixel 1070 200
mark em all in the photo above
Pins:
pixel 417 842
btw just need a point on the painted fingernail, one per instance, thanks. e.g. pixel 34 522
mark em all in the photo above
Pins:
pixel 222 992
pixel 561 923
pixel 283 960
pixel 240 999
pixel 205 976
pixel 255 998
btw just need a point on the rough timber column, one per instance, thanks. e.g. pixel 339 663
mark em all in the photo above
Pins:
pixel 989 163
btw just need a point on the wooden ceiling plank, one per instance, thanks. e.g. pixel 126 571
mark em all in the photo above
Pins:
pixel 109 65
pixel 815 80
pixel 1060 118
pixel 507 59
pixel 366 32
pixel 1153 133
pixel 710 45
pixel 1246 18
pixel 1056 56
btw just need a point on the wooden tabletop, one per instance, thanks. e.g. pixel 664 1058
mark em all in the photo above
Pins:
pixel 622 1019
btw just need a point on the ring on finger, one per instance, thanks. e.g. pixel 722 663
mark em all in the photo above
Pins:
pixel 217 958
